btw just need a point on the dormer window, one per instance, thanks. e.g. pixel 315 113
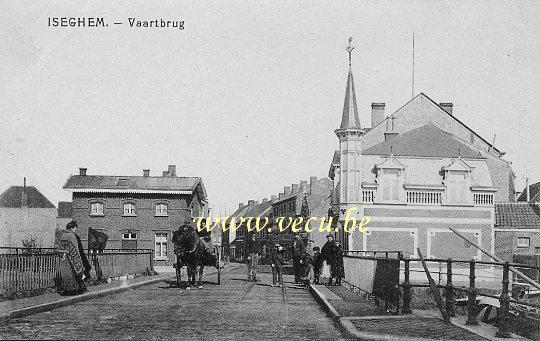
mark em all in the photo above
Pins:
pixel 129 209
pixel 457 180
pixel 390 178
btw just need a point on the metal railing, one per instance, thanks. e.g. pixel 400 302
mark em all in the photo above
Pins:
pixel 361 272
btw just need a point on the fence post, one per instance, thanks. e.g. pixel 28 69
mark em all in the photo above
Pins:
pixel 504 314
pixel 406 289
pixel 450 301
pixel 471 296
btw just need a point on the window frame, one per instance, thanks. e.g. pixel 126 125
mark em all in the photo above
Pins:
pixel 98 204
pixel 162 242
pixel 163 213
pixel 523 245
pixel 129 214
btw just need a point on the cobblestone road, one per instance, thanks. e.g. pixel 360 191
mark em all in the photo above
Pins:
pixel 236 309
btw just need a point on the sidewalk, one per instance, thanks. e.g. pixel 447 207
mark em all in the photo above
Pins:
pixel 358 318
pixel 37 304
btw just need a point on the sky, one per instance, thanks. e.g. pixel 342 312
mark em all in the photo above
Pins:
pixel 248 95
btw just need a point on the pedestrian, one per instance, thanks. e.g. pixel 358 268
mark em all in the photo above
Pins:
pixel 337 270
pixel 296 251
pixel 327 255
pixel 74 265
pixel 253 248
pixel 317 264
pixel 305 266
pixel 277 261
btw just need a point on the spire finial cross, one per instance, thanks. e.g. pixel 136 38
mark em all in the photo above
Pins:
pixel 350 48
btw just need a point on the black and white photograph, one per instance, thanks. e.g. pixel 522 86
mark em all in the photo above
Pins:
pixel 269 170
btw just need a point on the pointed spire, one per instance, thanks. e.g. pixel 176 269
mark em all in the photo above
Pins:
pixel 349 119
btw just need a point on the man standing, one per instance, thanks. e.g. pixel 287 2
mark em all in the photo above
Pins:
pixel 297 248
pixel 253 248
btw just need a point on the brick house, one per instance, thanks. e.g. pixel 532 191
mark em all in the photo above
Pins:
pixel 415 173
pixel 26 214
pixel 517 229
pixel 137 212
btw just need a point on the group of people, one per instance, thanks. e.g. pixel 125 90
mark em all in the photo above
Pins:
pixel 309 263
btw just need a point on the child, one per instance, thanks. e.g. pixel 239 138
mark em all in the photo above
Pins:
pixel 317 264
pixel 277 264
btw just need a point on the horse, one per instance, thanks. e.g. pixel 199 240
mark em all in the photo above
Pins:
pixel 189 252
pixel 97 241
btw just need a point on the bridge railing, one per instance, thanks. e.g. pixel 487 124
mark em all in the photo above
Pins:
pixel 120 262
pixel 361 273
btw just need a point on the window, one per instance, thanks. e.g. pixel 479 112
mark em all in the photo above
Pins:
pixel 457 189
pixel 161 246
pixel 390 186
pixel 129 209
pixel 161 209
pixel 129 241
pixel 96 208
pixel 537 249
pixel 523 242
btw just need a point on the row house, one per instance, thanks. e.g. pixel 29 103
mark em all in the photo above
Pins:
pixel 137 212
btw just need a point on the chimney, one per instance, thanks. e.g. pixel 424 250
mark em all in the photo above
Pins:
pixel 447 107
pixel 172 171
pixel 294 188
pixel 165 174
pixel 377 113
pixel 287 190
pixel 82 171
pixel 312 181
pixel 24 196
pixel 240 205
pixel 281 195
pixel 146 173
pixel 273 197
pixel 303 184
pixel 251 203
pixel 527 189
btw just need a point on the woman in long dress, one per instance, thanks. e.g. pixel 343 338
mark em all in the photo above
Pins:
pixel 73 264
pixel 327 255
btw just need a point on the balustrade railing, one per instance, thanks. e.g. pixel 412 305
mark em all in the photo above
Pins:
pixel 423 197
pixel 483 199
pixel 368 195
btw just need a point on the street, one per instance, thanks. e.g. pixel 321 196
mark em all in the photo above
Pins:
pixel 236 309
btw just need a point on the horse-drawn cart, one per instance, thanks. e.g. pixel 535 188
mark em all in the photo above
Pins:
pixel 195 252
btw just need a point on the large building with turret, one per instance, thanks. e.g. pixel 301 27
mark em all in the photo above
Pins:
pixel 415 173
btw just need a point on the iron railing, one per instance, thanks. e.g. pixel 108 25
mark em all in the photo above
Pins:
pixel 507 302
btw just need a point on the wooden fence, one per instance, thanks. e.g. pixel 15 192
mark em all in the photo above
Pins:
pixel 26 270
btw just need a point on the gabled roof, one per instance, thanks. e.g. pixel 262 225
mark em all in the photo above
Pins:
pixel 134 184
pixel 65 209
pixel 391 163
pixel 517 216
pixel 458 165
pixel 435 104
pixel 424 141
pixel 534 194
pixel 12 197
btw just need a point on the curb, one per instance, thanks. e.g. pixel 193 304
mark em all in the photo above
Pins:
pixel 347 328
pixel 22 312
